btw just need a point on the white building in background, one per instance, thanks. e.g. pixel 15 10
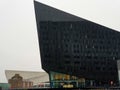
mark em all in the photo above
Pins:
pixel 36 77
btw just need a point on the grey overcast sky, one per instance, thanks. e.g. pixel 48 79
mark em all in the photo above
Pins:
pixel 19 48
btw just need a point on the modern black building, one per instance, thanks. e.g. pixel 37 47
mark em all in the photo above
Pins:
pixel 74 51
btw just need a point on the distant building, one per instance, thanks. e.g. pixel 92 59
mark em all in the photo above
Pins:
pixel 76 52
pixel 17 82
pixel 26 79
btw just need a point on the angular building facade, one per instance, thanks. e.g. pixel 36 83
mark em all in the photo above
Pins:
pixel 76 52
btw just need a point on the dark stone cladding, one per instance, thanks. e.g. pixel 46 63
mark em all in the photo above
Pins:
pixel 75 46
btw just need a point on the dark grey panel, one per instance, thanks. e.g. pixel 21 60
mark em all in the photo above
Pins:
pixel 47 13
